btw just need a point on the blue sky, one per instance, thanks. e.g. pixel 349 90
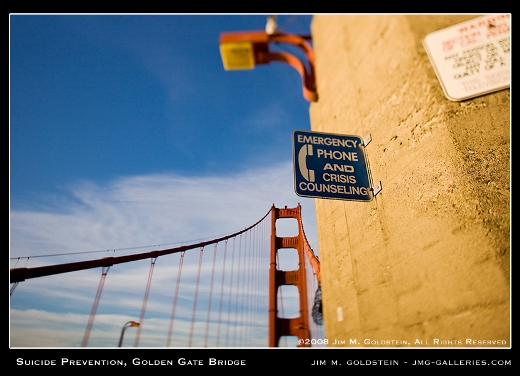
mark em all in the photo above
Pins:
pixel 126 132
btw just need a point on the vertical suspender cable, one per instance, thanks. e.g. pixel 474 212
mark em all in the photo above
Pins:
pixel 247 277
pixel 254 273
pixel 237 288
pixel 145 300
pixel 242 288
pixel 265 273
pixel 230 290
pixel 95 305
pixel 258 266
pixel 221 292
pixel 174 305
pixel 252 285
pixel 210 295
pixel 251 292
pixel 195 297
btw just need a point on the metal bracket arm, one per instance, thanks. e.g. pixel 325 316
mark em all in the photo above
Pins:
pixel 258 52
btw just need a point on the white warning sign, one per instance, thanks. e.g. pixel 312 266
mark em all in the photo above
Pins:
pixel 472 58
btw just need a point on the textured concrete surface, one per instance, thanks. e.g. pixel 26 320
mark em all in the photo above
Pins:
pixel 426 263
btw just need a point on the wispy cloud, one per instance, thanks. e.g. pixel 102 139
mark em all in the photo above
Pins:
pixel 155 210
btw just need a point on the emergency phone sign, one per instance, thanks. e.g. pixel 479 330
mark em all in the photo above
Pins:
pixel 331 166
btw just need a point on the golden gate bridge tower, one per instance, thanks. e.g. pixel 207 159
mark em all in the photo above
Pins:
pixel 298 326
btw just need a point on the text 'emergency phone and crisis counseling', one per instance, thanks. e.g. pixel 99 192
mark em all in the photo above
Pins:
pixel 331 166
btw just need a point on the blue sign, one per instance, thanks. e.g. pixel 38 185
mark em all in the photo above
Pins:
pixel 331 166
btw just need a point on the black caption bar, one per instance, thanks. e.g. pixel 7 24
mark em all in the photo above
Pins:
pixel 268 358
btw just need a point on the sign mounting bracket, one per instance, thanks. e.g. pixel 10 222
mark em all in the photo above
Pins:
pixel 377 188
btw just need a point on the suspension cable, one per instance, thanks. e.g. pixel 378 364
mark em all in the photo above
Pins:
pixel 21 274
pixel 104 272
pixel 176 294
pixel 221 291
pixel 230 290
pixel 145 300
pixel 210 295
pixel 195 297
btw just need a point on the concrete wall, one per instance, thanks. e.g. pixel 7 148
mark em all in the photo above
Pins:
pixel 428 258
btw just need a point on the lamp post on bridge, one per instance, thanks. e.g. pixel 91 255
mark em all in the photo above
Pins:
pixel 127 325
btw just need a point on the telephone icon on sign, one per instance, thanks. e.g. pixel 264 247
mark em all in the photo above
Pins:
pixel 302 162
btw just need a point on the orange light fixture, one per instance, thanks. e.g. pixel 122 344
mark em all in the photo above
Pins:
pixel 245 49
